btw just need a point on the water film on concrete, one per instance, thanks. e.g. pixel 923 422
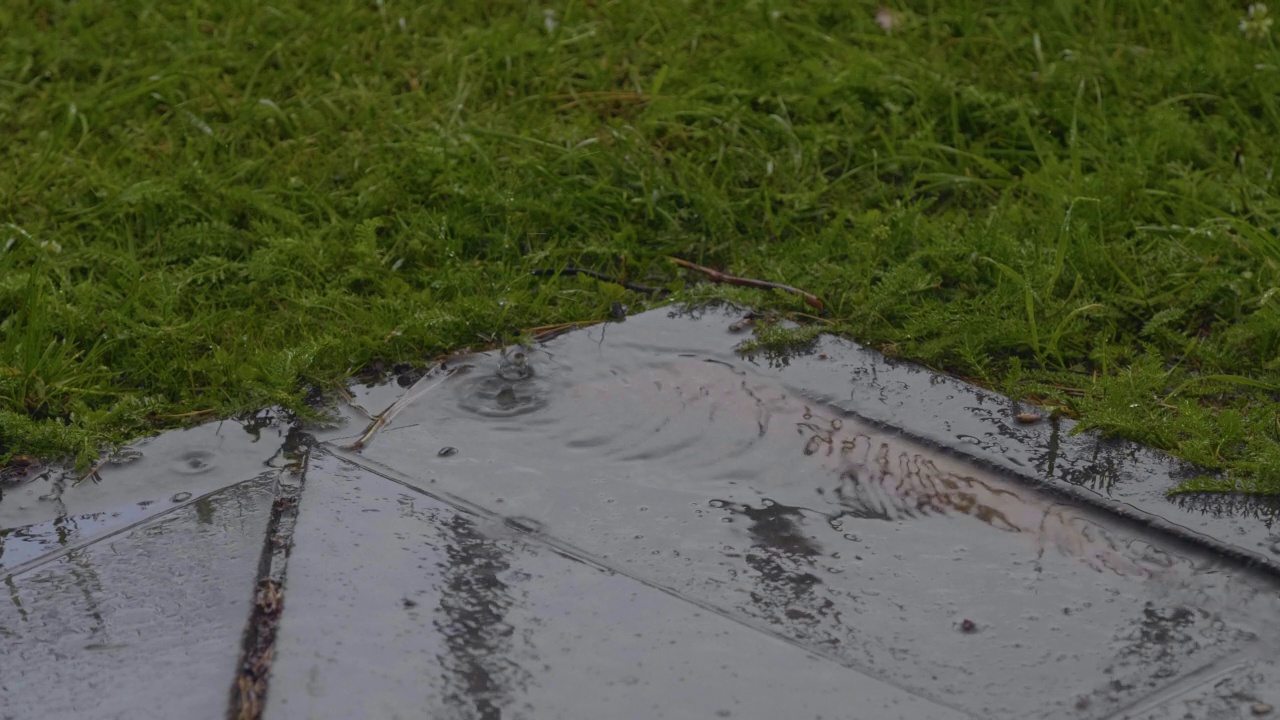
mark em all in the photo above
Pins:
pixel 633 521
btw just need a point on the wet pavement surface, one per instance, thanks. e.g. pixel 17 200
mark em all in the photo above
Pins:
pixel 143 623
pixel 455 613
pixel 633 521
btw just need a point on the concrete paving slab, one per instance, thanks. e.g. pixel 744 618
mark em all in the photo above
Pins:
pixel 1244 690
pixel 400 605
pixel 53 512
pixel 653 450
pixel 144 623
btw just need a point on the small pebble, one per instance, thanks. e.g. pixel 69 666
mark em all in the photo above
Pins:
pixel 1261 708
pixel 1027 417
pixel 1082 702
pixel 968 626
pixel 447 451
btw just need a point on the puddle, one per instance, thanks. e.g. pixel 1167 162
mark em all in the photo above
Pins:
pixel 146 623
pixel 745 489
pixel 56 511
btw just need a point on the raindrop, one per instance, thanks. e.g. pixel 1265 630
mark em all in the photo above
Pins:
pixel 194 462
pixel 717 503
pixel 180 497
pixel 447 451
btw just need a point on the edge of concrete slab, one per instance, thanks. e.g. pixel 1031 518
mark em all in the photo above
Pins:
pixel 1119 476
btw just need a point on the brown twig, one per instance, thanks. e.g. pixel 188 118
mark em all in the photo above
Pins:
pixel 193 413
pixel 543 333
pixel 602 277
pixel 386 416
pixel 719 277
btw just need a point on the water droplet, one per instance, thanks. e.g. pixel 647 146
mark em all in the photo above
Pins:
pixel 447 451
pixel 717 503
pixel 812 446
pixel 194 462
pixel 180 497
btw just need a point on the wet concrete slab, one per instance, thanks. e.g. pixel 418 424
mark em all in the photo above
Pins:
pixel 143 623
pixel 58 510
pixel 779 498
pixel 400 604
pixel 634 521
pixel 1247 689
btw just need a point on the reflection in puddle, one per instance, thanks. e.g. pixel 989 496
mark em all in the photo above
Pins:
pixel 879 481
pixel 481 675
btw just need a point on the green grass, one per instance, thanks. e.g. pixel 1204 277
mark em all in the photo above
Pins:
pixel 212 206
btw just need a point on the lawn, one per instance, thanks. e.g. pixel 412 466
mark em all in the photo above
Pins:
pixel 213 206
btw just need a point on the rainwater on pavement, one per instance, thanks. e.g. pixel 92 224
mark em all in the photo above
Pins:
pixel 634 521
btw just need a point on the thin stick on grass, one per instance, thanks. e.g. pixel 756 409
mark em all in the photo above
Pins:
pixel 718 277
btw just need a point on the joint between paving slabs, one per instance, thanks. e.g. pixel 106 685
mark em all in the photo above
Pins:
pixel 249 690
